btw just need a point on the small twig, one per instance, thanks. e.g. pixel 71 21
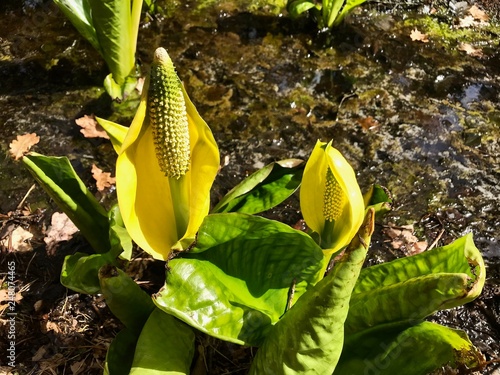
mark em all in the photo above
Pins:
pixel 20 205
pixel 441 232
pixel 28 266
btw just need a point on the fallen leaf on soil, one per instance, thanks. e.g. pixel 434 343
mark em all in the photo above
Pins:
pixel 103 179
pixel 91 128
pixel 61 229
pixel 416 35
pixel 20 146
pixel 478 14
pixel 17 240
pixel 368 123
pixel 402 238
pixel 467 21
pixel 470 50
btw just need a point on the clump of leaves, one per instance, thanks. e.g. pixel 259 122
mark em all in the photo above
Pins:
pixel 328 13
pixel 249 280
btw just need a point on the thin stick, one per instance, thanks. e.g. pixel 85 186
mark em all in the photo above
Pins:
pixel 20 205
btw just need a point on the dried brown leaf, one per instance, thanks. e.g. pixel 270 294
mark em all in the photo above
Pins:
pixel 103 179
pixel 470 50
pixel 368 123
pixel 467 21
pixel 417 36
pixel 47 326
pixel 18 240
pixel 91 128
pixel 402 238
pixel 478 14
pixel 20 146
pixel 61 229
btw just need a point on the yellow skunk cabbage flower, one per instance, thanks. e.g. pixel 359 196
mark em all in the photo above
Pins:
pixel 330 198
pixel 166 165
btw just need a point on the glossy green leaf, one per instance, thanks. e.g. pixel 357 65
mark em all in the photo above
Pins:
pixel 58 178
pixel 79 14
pixel 126 300
pixel 348 7
pixel 112 88
pixel 121 353
pixel 297 7
pixel 411 288
pixel 418 350
pixel 263 189
pixel 330 11
pixel 80 271
pixel 113 24
pixel 379 199
pixel 165 346
pixel 310 336
pixel 121 243
pixel 234 283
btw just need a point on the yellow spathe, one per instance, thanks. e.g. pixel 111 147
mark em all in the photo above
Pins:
pixel 330 198
pixel 159 212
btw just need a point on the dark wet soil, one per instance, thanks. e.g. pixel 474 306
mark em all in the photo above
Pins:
pixel 422 119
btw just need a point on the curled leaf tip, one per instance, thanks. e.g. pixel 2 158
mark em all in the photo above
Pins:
pixel 168 117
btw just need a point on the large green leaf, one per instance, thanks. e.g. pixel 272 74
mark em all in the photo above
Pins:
pixel 60 181
pixel 165 346
pixel 80 271
pixel 120 353
pixel 113 24
pixel 126 300
pixel 79 14
pixel 407 290
pixel 263 189
pixel 417 350
pixel 235 281
pixel 310 336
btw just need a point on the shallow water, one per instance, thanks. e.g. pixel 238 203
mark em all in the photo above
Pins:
pixel 422 119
